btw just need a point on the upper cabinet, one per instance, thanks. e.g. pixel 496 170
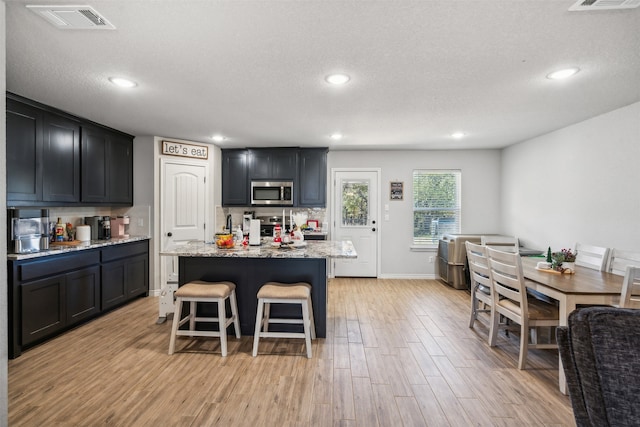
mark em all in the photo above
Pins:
pixel 273 164
pixel 24 152
pixel 306 167
pixel 312 181
pixel 235 181
pixel 55 159
pixel 107 167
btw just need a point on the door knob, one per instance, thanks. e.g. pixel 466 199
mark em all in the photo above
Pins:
pixel 169 234
pixel 373 229
pixel 373 222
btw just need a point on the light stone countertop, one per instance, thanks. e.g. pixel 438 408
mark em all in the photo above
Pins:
pixel 92 244
pixel 312 249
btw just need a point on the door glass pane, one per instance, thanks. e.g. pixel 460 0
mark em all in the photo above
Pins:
pixel 355 203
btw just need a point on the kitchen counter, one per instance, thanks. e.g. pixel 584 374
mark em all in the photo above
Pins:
pixel 92 244
pixel 312 249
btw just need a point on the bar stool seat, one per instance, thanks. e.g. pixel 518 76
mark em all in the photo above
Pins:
pixel 210 292
pixel 284 293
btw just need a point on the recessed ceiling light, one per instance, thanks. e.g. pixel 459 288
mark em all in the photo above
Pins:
pixel 218 138
pixel 337 79
pixel 119 81
pixel 336 136
pixel 458 135
pixel 563 74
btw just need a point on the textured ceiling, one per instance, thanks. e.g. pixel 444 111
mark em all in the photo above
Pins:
pixel 254 70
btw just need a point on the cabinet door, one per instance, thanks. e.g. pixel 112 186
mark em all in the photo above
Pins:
pixel 83 294
pixel 95 155
pixel 114 289
pixel 270 164
pixel 42 308
pixel 312 183
pixel 284 164
pixel 137 276
pixel 61 159
pixel 120 169
pixel 24 152
pixel 235 183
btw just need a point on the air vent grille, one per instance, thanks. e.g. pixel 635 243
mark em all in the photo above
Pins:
pixel 583 5
pixel 72 17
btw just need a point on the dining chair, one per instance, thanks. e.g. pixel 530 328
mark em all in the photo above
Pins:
pixel 620 259
pixel 481 301
pixel 510 300
pixel 630 295
pixel 594 257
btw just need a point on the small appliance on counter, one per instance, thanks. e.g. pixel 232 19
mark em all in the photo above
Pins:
pixel 94 223
pixel 120 227
pixel 104 228
pixel 28 230
pixel 246 221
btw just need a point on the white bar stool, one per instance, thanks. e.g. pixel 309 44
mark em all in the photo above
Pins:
pixel 283 293
pixel 201 291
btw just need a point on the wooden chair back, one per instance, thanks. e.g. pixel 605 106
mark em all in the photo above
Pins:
pixel 594 257
pixel 508 282
pixel 619 260
pixel 630 295
pixel 478 266
pixel 500 241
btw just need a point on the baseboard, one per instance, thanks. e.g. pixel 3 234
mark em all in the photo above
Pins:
pixel 408 276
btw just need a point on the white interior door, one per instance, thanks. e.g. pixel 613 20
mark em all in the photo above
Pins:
pixel 184 202
pixel 355 218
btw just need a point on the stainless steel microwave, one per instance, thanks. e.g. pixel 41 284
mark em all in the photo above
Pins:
pixel 272 193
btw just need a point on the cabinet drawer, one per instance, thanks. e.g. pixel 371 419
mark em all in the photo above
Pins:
pixel 124 251
pixel 57 264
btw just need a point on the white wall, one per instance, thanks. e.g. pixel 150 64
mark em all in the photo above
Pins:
pixel 480 199
pixel 577 184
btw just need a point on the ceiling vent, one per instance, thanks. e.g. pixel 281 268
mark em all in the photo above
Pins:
pixel 604 4
pixel 72 17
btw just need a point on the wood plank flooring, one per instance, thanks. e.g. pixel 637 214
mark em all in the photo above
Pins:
pixel 397 352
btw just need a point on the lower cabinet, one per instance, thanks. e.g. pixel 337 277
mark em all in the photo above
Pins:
pixel 51 294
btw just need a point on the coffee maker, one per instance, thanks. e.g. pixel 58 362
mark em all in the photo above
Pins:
pixel 28 230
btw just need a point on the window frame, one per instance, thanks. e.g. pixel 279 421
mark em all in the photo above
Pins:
pixel 456 207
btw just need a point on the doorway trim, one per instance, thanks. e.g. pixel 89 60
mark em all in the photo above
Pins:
pixel 378 210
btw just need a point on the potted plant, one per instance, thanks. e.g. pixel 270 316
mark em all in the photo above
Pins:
pixel 563 260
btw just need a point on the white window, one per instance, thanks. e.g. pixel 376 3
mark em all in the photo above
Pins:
pixel 436 205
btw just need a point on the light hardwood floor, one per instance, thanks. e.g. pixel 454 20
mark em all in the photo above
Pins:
pixel 397 352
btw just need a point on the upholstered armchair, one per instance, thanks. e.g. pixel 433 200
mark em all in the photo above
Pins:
pixel 600 351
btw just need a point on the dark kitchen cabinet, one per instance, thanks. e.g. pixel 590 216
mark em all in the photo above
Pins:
pixel 24 152
pixel 43 308
pixel 312 179
pixel 125 273
pixel 50 294
pixel 273 164
pixel 120 169
pixel 61 159
pixel 56 159
pixel 235 178
pixel 107 167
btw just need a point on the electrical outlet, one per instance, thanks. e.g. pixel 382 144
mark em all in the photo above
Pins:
pixel 140 222
pixel 430 260
pixel 386 217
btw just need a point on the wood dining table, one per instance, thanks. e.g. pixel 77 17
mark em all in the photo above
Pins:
pixel 586 286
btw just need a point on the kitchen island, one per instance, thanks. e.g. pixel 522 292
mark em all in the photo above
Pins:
pixel 250 267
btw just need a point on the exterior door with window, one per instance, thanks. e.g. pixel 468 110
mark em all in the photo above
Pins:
pixel 355 210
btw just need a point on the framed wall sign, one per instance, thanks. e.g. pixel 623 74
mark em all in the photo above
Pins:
pixel 185 150
pixel 397 190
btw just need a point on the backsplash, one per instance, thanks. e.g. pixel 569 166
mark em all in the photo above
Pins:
pixel 318 214
pixel 139 216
